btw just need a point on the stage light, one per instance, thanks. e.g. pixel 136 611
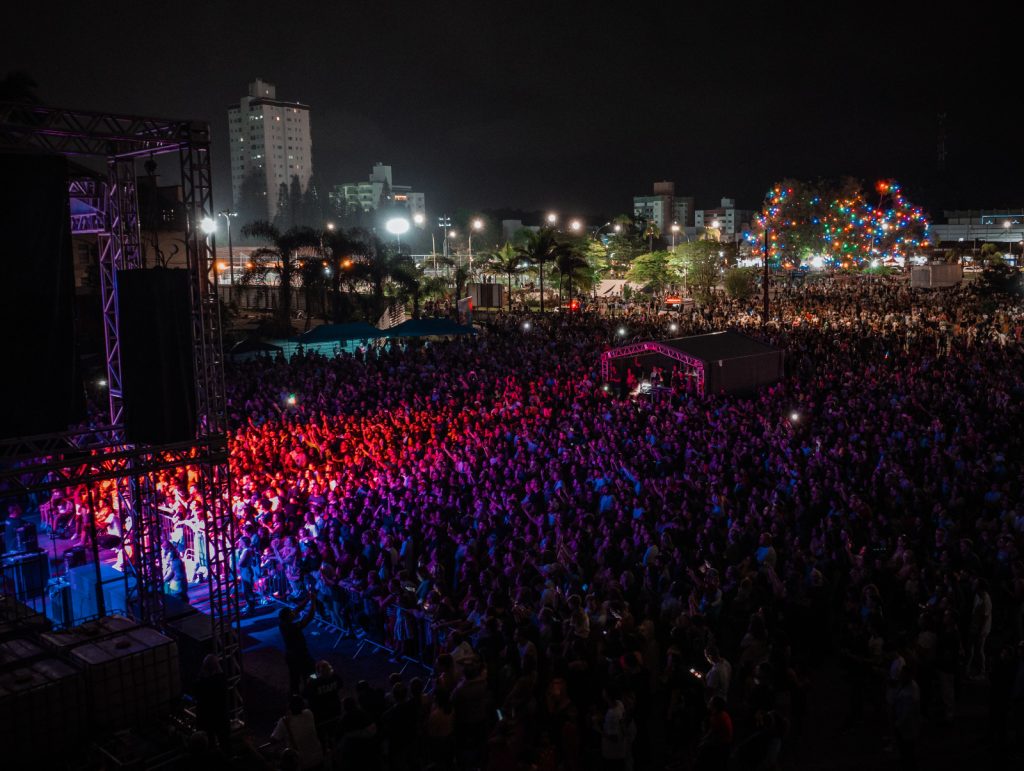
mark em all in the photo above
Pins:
pixel 102 383
pixel 673 327
pixel 291 399
pixel 208 225
pixel 605 387
pixel 526 326
pixel 622 331
pixel 794 416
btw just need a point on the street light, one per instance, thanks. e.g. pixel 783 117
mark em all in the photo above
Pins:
pixel 476 225
pixel 575 226
pixel 396 226
pixel 675 232
pixel 419 219
pixel 444 222
pixel 552 219
pixel 227 214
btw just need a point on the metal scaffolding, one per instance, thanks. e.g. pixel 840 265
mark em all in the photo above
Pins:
pixel 43 463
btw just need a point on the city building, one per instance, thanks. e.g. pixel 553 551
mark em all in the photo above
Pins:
pixel 664 208
pixel 270 145
pixel 657 207
pixel 731 221
pixel 376 193
pixel 974 227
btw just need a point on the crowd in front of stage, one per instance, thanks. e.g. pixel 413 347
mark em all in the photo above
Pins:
pixel 605 580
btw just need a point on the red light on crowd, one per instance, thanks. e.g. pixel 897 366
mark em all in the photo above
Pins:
pixel 574 305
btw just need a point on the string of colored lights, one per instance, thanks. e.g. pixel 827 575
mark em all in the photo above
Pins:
pixel 845 231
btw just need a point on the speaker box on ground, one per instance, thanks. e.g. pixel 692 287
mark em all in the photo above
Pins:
pixel 41 391
pixel 157 373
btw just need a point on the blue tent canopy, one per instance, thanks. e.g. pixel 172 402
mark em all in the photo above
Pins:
pixel 428 328
pixel 331 333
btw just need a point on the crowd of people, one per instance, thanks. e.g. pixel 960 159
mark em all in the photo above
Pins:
pixel 583 568
pixel 598 579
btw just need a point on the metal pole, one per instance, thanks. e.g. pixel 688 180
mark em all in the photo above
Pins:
pixel 764 320
pixel 231 259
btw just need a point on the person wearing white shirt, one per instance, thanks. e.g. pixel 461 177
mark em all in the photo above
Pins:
pixel 297 731
pixel 719 677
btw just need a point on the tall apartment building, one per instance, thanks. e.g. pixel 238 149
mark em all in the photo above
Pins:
pixel 378 192
pixel 271 139
pixel 664 207
pixel 730 219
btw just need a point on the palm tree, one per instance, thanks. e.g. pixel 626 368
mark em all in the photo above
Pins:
pixel 460 279
pixel 541 247
pixel 570 263
pixel 508 261
pixel 282 255
pixel 651 232
pixel 382 270
pixel 340 246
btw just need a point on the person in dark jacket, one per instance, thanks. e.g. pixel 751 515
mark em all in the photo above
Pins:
pixel 296 652
pixel 212 709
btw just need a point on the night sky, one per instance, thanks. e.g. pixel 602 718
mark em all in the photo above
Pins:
pixel 560 105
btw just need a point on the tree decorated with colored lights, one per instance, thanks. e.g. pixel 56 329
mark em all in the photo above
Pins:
pixel 793 214
pixel 894 227
pixel 837 222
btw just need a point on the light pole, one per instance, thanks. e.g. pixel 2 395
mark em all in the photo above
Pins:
pixel 209 227
pixel 764 320
pixel 476 225
pixel 552 219
pixel 227 214
pixel 444 222
pixel 675 232
pixel 396 226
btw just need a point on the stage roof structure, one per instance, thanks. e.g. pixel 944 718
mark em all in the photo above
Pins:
pixel 723 362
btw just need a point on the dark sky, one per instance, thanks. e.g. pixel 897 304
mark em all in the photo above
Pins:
pixel 561 105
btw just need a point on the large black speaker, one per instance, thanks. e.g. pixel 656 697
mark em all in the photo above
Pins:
pixel 157 373
pixel 41 388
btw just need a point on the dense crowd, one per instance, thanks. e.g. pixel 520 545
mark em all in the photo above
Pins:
pixel 602 577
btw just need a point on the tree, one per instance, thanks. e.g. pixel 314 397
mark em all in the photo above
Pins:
pixel 739 283
pixel 387 274
pixel 281 256
pixel 836 219
pixel 654 271
pixel 340 247
pixel 509 262
pixel 700 265
pixel 295 203
pixel 571 265
pixel 252 198
pixel 623 246
pixel 651 231
pixel 794 213
pixel 459 280
pixel 283 218
pixel 541 248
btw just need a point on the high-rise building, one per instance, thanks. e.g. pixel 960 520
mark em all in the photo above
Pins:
pixel 376 193
pixel 270 145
